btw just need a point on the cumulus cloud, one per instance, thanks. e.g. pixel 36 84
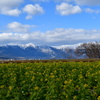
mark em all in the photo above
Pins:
pixel 33 10
pixel 55 37
pixel 13 12
pixel 9 7
pixel 92 11
pixel 67 9
pixel 18 27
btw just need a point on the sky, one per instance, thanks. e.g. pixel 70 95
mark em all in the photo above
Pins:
pixel 49 22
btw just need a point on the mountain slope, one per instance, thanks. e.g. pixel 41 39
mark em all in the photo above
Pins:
pixel 30 52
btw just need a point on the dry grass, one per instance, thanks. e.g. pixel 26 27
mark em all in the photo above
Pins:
pixel 53 60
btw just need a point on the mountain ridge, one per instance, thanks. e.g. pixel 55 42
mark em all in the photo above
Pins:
pixel 31 51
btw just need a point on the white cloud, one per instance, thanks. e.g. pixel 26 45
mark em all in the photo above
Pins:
pixel 33 10
pixel 91 10
pixel 13 12
pixel 39 0
pixel 29 17
pixel 82 2
pixel 88 2
pixel 9 7
pixel 10 3
pixel 18 27
pixel 79 2
pixel 67 9
pixel 52 0
pixel 73 46
pixel 63 0
pixel 59 36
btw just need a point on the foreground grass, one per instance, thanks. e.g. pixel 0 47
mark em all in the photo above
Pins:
pixel 50 81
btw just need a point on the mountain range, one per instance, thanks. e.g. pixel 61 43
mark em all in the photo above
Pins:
pixel 30 51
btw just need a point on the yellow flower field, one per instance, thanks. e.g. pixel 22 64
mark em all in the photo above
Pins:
pixel 50 81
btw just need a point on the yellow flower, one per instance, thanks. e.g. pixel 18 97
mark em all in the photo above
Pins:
pixel 31 72
pixel 51 73
pixel 66 96
pixel 23 81
pixel 10 87
pixel 64 86
pixel 94 87
pixel 2 86
pixel 95 93
pixel 26 73
pixel 80 76
pixel 46 75
pixel 98 98
pixel 41 80
pixel 33 78
pixel 65 82
pixel 75 97
pixel 70 81
pixel 77 87
pixel 36 88
pixel 46 79
pixel 85 85
pixel 52 76
pixel 55 71
pixel 58 79
pixel 68 74
pixel 63 93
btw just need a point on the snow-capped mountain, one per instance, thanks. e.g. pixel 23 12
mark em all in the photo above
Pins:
pixel 27 45
pixel 31 51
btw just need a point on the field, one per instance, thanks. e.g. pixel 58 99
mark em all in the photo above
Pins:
pixel 50 80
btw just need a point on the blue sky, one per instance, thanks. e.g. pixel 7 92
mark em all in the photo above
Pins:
pixel 49 22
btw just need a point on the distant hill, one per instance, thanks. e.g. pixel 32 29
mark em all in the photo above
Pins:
pixel 30 51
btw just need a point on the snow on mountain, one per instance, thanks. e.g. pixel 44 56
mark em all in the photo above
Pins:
pixel 45 49
pixel 31 51
pixel 27 45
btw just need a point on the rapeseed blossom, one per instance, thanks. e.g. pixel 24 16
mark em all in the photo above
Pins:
pixel 10 87
pixel 36 88
pixel 98 98
pixel 50 81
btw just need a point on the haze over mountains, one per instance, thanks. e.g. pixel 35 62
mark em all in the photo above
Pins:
pixel 30 51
